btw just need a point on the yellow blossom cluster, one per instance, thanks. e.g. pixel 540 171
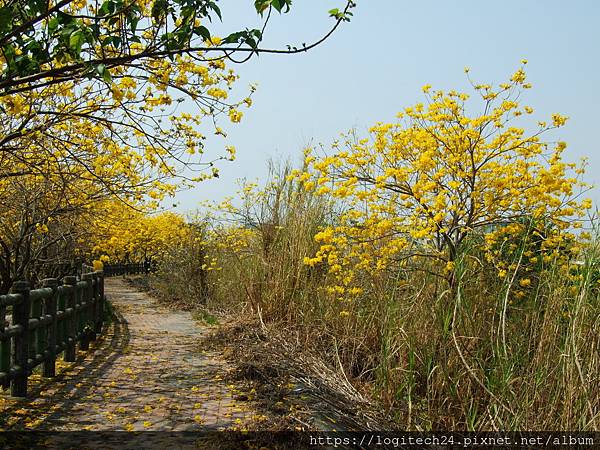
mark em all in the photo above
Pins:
pixel 521 250
pixel 127 132
pixel 69 149
pixel 422 185
pixel 123 234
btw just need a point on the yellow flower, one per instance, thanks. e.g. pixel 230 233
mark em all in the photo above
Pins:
pixel 558 120
pixel 525 282
pixel 235 116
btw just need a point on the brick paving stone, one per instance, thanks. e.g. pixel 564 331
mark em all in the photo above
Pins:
pixel 146 373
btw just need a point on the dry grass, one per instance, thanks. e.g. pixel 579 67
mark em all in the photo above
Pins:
pixel 297 390
pixel 429 357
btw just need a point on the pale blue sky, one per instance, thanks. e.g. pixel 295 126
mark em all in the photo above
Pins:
pixel 376 65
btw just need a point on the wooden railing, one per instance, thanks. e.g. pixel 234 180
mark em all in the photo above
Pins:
pixel 45 322
pixel 127 269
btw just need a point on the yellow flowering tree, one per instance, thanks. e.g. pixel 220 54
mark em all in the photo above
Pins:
pixel 68 148
pixel 100 85
pixel 91 111
pixel 44 43
pixel 123 234
pixel 131 136
pixel 43 221
pixel 421 186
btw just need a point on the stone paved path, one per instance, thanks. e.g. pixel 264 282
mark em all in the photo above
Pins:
pixel 147 373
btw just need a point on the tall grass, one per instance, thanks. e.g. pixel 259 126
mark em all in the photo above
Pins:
pixel 434 358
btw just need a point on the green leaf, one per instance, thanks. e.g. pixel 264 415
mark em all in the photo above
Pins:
pixel 104 73
pixel 277 4
pixel 37 6
pixel 108 7
pixel 261 6
pixel 133 22
pixel 280 4
pixel 64 18
pixel 202 31
pixel 103 11
pixel 106 76
pixel 233 38
pixel 53 25
pixel 76 41
pixel 216 9
pixel 159 8
pixel 5 20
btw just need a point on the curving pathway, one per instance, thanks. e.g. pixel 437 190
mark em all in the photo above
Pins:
pixel 146 373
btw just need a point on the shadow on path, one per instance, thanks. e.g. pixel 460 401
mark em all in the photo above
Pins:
pixel 51 400
pixel 146 373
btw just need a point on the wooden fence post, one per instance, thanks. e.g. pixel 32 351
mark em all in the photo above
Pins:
pixel 50 308
pixel 100 299
pixel 70 354
pixel 20 350
pixel 4 348
pixel 37 336
pixel 87 298
pixel 94 307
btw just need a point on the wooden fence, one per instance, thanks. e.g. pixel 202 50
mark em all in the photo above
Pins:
pixel 128 269
pixel 45 322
